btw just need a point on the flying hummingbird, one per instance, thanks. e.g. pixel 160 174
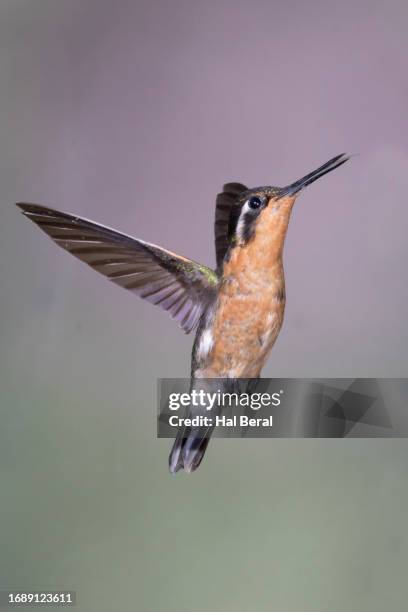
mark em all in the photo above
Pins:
pixel 237 310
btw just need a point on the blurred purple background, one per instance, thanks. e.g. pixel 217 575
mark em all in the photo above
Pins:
pixel 134 114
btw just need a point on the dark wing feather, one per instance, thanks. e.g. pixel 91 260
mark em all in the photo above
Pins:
pixel 224 205
pixel 179 285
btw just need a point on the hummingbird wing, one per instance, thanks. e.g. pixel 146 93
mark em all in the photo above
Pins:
pixel 179 285
pixel 224 205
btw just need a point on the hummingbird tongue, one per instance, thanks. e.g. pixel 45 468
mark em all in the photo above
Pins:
pixel 332 164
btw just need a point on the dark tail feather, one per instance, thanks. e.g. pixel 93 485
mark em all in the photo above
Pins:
pixel 176 456
pixel 188 450
pixel 332 164
pixel 191 442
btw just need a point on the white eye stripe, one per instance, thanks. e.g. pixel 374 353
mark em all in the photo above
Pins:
pixel 241 220
pixel 239 232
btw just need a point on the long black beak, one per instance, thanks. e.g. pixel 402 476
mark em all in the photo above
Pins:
pixel 313 176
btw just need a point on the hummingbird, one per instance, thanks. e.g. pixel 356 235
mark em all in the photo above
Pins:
pixel 236 309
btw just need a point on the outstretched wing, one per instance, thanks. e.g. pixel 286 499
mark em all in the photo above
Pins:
pixel 179 285
pixel 224 204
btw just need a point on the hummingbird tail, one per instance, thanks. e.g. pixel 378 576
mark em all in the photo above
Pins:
pixel 188 450
pixel 191 441
pixel 297 186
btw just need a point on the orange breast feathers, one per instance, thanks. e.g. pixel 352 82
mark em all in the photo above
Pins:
pixel 251 301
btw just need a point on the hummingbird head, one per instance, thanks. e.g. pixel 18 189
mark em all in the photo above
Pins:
pixel 262 214
pixel 245 215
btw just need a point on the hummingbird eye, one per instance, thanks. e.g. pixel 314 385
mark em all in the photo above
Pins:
pixel 255 202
